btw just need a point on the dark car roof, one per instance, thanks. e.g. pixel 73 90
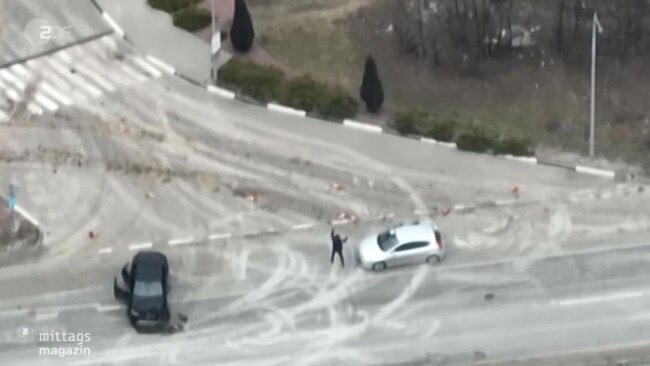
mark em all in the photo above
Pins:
pixel 149 265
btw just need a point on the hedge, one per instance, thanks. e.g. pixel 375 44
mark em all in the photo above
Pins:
pixel 171 6
pixel 476 140
pixel 312 96
pixel 408 121
pixel 263 83
pixel 268 84
pixel 444 131
pixel 514 146
pixel 192 18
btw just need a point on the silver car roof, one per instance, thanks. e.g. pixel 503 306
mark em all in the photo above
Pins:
pixel 421 231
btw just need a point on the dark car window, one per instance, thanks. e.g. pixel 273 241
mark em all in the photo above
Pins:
pixel 148 289
pixel 411 246
pixel 387 240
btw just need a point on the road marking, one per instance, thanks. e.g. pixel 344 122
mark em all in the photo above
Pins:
pixel 161 65
pixel 340 222
pixel 134 74
pixel 13 313
pixel 588 300
pixel 48 88
pixel 182 241
pixel 463 207
pixel 147 67
pixel 302 226
pixel 26 215
pixel 46 316
pixel 104 308
pixel 140 246
pixel 108 250
pixel 45 102
pixel 220 236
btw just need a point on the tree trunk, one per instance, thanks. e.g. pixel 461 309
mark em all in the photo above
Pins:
pixel 559 31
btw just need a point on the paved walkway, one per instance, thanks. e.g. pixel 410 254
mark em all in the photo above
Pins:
pixel 152 32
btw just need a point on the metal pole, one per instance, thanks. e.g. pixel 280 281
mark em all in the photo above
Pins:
pixel 212 69
pixel 592 125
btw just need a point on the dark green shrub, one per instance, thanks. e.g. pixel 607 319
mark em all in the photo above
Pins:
pixel 442 131
pixel 192 18
pixel 312 96
pixel 476 140
pixel 263 83
pixel 340 106
pixel 171 6
pixel 408 121
pixel 514 146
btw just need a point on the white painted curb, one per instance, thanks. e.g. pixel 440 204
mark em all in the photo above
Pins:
pixel 530 160
pixel 164 66
pixel 113 24
pixel 26 215
pixel 140 246
pixel 287 110
pixel 435 142
pixel 221 92
pixel 220 236
pixel 593 171
pixel 361 126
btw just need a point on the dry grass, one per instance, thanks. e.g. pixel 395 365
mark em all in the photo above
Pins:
pixel 330 38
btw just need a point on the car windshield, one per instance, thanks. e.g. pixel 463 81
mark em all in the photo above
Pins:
pixel 387 240
pixel 148 289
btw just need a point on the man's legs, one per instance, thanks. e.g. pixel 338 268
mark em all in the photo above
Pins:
pixel 332 257
pixel 341 256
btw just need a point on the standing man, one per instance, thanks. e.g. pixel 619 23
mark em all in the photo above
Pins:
pixel 337 247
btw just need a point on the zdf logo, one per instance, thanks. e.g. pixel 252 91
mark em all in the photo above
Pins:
pixel 40 32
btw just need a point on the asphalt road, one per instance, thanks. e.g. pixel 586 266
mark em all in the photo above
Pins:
pixel 242 199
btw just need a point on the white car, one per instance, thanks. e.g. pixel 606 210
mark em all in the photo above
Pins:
pixel 417 242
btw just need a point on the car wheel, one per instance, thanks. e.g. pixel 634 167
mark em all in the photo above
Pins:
pixel 433 259
pixel 379 266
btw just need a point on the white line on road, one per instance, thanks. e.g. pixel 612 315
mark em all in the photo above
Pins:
pixel 26 215
pixel 302 226
pixel 104 308
pixel 220 236
pixel 340 222
pixel 182 241
pixel 161 65
pixel 108 250
pixel 147 67
pixel 140 246
pixel 588 300
pixel 46 316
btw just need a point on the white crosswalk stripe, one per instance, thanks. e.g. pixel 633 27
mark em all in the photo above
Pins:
pixel 80 82
pixel 134 74
pixel 146 66
pixel 73 75
pixel 47 88
pixel 81 68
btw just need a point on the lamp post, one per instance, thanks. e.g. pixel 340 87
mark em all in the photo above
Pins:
pixel 596 27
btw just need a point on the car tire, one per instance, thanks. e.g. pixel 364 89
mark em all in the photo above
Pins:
pixel 379 266
pixel 433 259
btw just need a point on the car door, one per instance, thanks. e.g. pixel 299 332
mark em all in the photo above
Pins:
pixel 409 253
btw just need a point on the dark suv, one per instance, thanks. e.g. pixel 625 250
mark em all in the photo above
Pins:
pixel 147 284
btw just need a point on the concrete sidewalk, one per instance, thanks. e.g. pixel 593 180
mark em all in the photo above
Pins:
pixel 153 33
